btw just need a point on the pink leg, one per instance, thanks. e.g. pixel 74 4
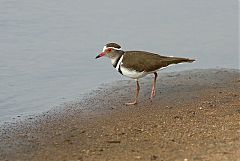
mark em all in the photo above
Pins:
pixel 136 98
pixel 153 93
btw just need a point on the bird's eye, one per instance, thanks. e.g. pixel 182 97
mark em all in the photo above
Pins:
pixel 109 49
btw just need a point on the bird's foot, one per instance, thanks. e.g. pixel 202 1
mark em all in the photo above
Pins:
pixel 131 103
pixel 153 94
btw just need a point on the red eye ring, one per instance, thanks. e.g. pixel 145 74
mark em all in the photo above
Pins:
pixel 109 49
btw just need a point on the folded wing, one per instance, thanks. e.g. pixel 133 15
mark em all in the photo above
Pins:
pixel 148 62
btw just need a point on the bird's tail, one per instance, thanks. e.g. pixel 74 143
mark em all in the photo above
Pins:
pixel 176 60
pixel 185 60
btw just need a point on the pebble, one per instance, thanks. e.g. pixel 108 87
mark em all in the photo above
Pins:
pixel 138 157
pixel 153 157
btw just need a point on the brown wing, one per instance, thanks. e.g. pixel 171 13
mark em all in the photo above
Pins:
pixel 146 61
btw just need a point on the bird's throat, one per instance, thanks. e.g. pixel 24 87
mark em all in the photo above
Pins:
pixel 115 61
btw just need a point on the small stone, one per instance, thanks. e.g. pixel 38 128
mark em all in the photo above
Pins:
pixel 83 131
pixel 113 141
pixel 138 157
pixel 153 157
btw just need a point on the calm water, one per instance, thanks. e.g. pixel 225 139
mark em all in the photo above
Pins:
pixel 47 48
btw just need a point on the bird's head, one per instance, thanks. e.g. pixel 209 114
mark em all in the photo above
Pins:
pixel 109 50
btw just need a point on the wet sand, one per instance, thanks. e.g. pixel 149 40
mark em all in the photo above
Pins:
pixel 195 116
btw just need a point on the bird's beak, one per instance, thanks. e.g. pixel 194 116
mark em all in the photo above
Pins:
pixel 100 55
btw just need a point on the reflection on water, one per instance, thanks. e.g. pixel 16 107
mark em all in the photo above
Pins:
pixel 47 48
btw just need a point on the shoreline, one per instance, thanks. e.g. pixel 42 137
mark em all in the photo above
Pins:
pixel 195 116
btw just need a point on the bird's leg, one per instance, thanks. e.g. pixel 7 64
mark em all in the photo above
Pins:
pixel 153 93
pixel 136 98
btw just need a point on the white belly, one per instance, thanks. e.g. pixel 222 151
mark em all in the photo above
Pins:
pixel 132 73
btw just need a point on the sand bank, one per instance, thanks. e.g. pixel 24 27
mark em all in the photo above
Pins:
pixel 195 116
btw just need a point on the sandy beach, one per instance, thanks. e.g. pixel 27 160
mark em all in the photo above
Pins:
pixel 194 116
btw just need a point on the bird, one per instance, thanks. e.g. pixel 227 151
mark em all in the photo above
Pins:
pixel 137 64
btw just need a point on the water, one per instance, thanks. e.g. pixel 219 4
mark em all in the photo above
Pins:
pixel 47 48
